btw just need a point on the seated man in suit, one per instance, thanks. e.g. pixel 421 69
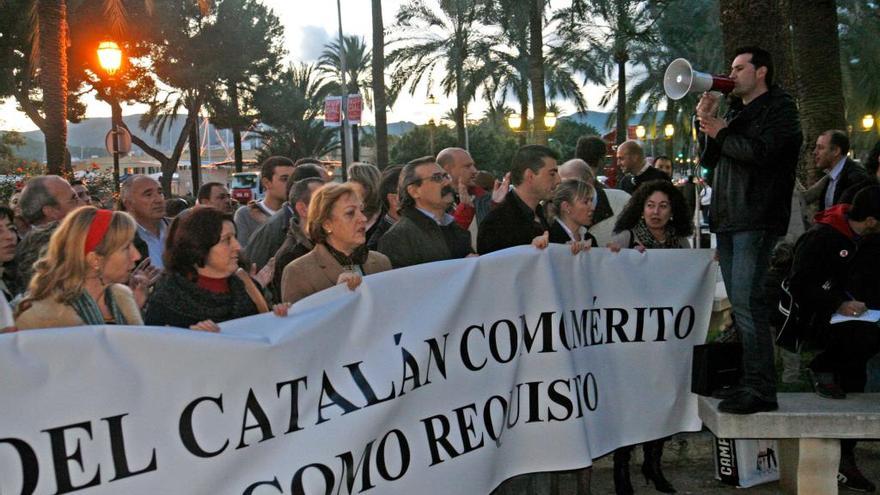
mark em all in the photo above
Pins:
pixel 841 172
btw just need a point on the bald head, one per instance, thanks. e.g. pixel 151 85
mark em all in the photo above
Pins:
pixel 630 157
pixel 458 164
pixel 576 169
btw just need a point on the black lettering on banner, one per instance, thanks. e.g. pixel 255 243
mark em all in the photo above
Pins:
pixel 354 369
pixel 297 486
pixel 612 323
pixel 350 470
pixel 545 326
pixel 410 369
pixel 185 428
pixel 561 399
pixel 336 399
pixel 382 458
pixel 518 405
pixel 253 486
pixel 579 327
pixel 661 321
pixel 117 450
pixel 30 467
pixel 61 459
pixel 436 438
pixel 534 402
pixel 578 396
pixel 640 325
pixel 511 337
pixel 252 406
pixel 591 392
pixel 596 336
pixel 436 355
pixel 691 313
pixel 466 428
pixel 493 431
pixel 465 353
pixel 294 401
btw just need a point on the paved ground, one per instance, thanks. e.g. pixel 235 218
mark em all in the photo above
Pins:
pixel 689 466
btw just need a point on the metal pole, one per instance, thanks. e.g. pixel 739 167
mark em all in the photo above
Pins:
pixel 115 131
pixel 346 127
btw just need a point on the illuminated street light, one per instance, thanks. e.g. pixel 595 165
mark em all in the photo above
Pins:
pixel 868 122
pixel 640 132
pixel 514 121
pixel 549 120
pixel 669 131
pixel 110 57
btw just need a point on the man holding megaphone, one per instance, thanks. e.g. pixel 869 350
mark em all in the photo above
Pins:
pixel 753 151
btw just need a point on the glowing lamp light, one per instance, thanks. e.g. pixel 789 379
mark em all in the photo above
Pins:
pixel 110 56
pixel 640 132
pixel 868 122
pixel 549 120
pixel 514 121
pixel 669 130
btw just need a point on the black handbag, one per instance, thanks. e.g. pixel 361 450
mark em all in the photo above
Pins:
pixel 716 365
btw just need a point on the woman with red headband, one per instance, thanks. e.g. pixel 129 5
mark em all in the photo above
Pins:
pixel 80 280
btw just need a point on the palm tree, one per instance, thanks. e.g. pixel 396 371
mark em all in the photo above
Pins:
pixel 378 80
pixel 602 38
pixel 819 81
pixel 763 23
pixel 860 21
pixel 444 36
pixel 357 74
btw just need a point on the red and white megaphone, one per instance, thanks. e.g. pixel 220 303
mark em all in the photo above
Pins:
pixel 681 79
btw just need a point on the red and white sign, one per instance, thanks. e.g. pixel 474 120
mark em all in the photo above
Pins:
pixel 354 107
pixel 332 111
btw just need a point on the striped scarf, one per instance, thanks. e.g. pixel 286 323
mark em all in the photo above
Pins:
pixel 87 309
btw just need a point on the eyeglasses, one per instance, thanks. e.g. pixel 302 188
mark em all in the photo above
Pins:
pixel 437 177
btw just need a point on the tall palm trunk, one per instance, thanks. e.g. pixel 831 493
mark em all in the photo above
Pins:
pixel 53 80
pixel 523 113
pixel 379 98
pixel 761 23
pixel 620 57
pixel 236 130
pixel 817 70
pixel 195 152
pixel 536 67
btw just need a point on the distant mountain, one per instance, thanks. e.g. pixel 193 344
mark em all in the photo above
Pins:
pixel 600 121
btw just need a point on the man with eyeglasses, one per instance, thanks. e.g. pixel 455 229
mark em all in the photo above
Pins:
pixel 425 231
pixel 520 218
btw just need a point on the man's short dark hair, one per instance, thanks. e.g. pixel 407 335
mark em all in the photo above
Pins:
pixel 531 157
pixel 839 139
pixel 300 191
pixel 408 176
pixel 591 149
pixel 267 168
pixel 305 170
pixel 866 204
pixel 308 159
pixel 760 58
pixel 662 157
pixel 204 193
pixel 388 184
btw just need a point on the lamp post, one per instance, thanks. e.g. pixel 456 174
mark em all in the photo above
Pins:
pixel 868 122
pixel 110 58
pixel 516 124
pixel 432 119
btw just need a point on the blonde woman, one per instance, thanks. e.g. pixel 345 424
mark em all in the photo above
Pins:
pixel 80 279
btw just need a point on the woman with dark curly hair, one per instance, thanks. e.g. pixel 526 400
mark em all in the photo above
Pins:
pixel 656 216
pixel 203 284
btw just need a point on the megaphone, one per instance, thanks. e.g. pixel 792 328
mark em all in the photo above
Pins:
pixel 681 79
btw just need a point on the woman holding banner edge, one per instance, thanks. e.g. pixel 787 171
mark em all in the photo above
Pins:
pixel 656 216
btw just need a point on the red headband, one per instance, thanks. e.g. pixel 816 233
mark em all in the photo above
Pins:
pixel 98 229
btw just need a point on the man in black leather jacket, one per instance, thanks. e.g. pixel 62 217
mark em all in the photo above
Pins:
pixel 754 151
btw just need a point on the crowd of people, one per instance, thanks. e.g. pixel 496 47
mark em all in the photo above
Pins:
pixel 159 261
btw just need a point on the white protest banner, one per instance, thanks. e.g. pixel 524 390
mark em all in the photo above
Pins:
pixel 448 377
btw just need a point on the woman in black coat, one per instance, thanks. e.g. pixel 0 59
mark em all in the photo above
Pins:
pixel 573 205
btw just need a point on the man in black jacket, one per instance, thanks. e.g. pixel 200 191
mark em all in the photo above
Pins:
pixel 835 272
pixel 520 218
pixel 754 152
pixel 842 172
pixel 425 232
pixel 631 158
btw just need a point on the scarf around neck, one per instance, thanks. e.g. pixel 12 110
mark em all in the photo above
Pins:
pixel 90 313
pixel 643 234
pixel 357 258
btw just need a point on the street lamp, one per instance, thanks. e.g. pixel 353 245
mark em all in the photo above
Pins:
pixel 669 131
pixel 640 132
pixel 549 120
pixel 432 118
pixel 868 122
pixel 110 58
pixel 514 121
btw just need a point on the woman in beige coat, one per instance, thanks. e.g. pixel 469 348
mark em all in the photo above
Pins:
pixel 80 280
pixel 337 226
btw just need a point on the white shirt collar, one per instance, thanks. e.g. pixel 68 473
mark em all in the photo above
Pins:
pixel 582 230
pixel 835 172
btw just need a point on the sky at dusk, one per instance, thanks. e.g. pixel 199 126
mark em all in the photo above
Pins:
pixel 308 26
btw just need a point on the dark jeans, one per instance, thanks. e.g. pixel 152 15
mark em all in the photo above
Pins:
pixel 744 258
